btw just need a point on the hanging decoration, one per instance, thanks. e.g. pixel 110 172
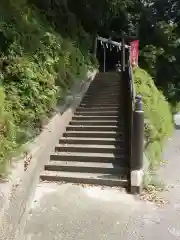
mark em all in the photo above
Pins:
pixel 108 43
pixel 110 47
pixel 118 48
pixel 134 52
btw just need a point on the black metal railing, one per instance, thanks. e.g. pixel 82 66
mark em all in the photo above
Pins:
pixel 135 116
pixel 129 98
pixel 130 109
pixel 132 86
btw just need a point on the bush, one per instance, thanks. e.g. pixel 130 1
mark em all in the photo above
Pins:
pixel 158 117
pixel 7 132
pixel 37 67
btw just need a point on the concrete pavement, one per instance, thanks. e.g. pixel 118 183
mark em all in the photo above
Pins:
pixel 73 212
pixel 66 211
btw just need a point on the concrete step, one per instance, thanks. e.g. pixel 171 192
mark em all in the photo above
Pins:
pixel 103 75
pixel 112 75
pixel 107 75
pixel 95 123
pixel 105 86
pixel 101 101
pixel 102 98
pixel 97 109
pixel 86 178
pixel 88 157
pixel 106 80
pixel 86 148
pixel 112 134
pixel 104 90
pixel 93 103
pixel 89 105
pixel 100 113
pixel 88 167
pixel 103 93
pixel 84 141
pixel 100 88
pixel 99 118
pixel 94 128
pixel 92 150
pixel 105 83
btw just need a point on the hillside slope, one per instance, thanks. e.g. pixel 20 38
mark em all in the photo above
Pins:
pixel 158 117
pixel 37 66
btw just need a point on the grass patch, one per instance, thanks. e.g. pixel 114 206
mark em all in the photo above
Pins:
pixel 158 116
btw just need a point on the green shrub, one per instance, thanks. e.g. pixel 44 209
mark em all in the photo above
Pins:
pixel 7 132
pixel 37 67
pixel 158 117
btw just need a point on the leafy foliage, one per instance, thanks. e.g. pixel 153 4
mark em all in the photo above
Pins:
pixel 45 45
pixel 37 67
pixel 155 23
pixel 158 124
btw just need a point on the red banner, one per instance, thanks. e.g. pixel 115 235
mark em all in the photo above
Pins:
pixel 134 53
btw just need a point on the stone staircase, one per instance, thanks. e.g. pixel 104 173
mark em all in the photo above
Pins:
pixel 93 148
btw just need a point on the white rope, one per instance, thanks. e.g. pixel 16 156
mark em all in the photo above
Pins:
pixel 109 41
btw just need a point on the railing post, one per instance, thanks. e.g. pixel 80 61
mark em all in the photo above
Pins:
pixel 104 59
pixel 95 45
pixel 123 60
pixel 137 146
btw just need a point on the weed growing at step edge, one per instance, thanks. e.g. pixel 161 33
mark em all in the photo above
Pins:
pixel 153 187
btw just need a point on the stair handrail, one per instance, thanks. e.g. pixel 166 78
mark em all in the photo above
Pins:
pixel 136 129
pixel 132 86
pixel 130 107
